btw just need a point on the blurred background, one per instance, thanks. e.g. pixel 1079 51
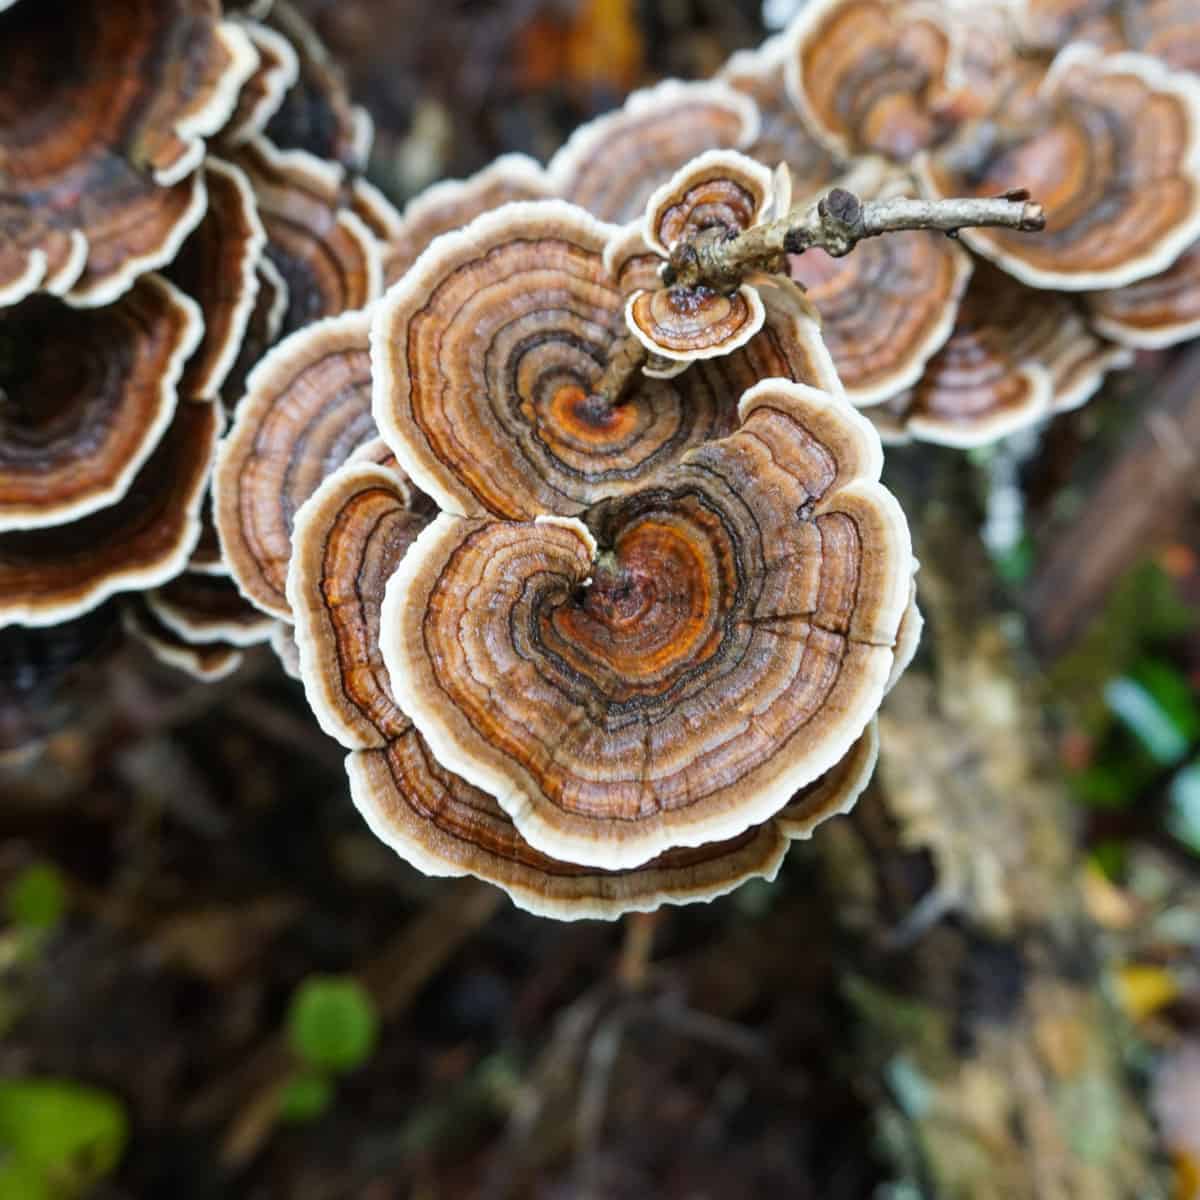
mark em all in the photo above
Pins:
pixel 240 992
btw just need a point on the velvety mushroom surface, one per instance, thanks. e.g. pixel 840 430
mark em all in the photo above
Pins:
pixel 487 356
pixel 306 410
pixel 612 164
pixel 868 75
pixel 97 162
pixel 350 537
pixel 50 575
pixel 671 669
pixel 1111 148
pixel 328 258
pixel 85 396
pixel 218 268
pixel 1014 357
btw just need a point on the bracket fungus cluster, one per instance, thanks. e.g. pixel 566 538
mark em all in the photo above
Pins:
pixel 148 257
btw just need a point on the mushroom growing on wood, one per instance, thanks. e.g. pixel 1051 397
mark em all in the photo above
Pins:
pixel 1111 146
pixel 671 669
pixel 98 163
pixel 85 397
pixel 489 359
pixel 350 537
pixel 307 408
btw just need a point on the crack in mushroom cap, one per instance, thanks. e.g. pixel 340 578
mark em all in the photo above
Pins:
pixel 85 396
pixel 783 137
pixel 95 161
pixel 886 307
pixel 671 672
pixel 1111 150
pixel 485 356
pixel 350 536
pixel 263 93
pixel 203 608
pixel 454 203
pixel 316 113
pixel 217 267
pixel 1014 358
pixel 1167 29
pixel 611 165
pixel 50 575
pixel 868 76
pixel 1156 312
pixel 326 254
pixel 306 409
pixel 207 662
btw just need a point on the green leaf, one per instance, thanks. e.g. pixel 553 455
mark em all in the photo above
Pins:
pixel 332 1023
pixel 1109 858
pixel 1183 813
pixel 21 1181
pixel 1152 723
pixel 305 1097
pixel 37 897
pixel 68 1135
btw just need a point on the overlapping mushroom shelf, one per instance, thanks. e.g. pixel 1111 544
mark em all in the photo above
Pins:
pixel 605 651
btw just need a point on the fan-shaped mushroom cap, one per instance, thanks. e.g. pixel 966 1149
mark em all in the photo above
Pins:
pixel 689 324
pixel 868 75
pixel 263 93
pixel 783 137
pixel 611 165
pixel 306 409
pixel 454 203
pixel 262 329
pixel 1015 357
pixel 94 160
pixel 207 662
pixel 719 189
pixel 328 257
pixel 217 267
pixel 673 671
pixel 1112 151
pixel 886 307
pixel 349 538
pixel 50 575
pixel 87 395
pixel 1155 312
pixel 1167 29
pixel 316 114
pixel 208 608
pixel 485 356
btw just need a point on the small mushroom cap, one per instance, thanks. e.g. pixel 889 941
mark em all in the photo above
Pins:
pixel 867 75
pixel 207 662
pixel 1014 358
pixel 687 324
pixel 349 538
pixel 316 114
pixel 50 575
pixel 96 160
pixel 1159 311
pixel 1112 150
pixel 217 267
pixel 208 608
pixel 719 189
pixel 262 94
pixel 886 307
pixel 783 136
pixel 87 396
pixel 486 355
pixel 455 203
pixel 672 671
pixel 306 409
pixel 611 165
pixel 328 257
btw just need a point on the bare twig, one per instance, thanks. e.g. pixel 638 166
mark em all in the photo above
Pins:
pixel 626 360
pixel 836 224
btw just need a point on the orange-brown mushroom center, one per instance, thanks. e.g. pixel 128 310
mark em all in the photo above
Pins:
pixel 711 204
